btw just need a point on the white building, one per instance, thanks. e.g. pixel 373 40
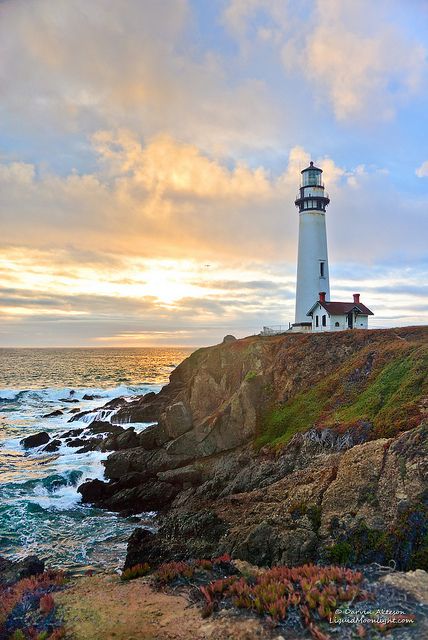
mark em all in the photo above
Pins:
pixel 312 262
pixel 338 316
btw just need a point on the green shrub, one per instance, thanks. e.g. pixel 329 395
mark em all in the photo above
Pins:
pixel 340 553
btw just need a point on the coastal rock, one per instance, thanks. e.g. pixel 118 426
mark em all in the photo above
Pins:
pixel 35 440
pixel 89 396
pixel 152 495
pixel 52 446
pixel 142 548
pixel 102 426
pixel 128 439
pixel 53 414
pixel 147 408
pixel 180 536
pixel 73 433
pixel 176 420
pixel 183 476
pixel 139 459
pixel 121 463
pixel 94 491
pixel 228 338
pixel 285 440
pixel 153 437
pixel 77 442
pixel 12 571
pixel 413 582
pixel 265 545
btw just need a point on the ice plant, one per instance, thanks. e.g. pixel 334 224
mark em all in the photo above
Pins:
pixel 46 603
pixel 137 571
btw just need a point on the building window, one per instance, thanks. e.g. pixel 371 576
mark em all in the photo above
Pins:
pixel 324 320
pixel 336 324
pixel 317 324
pixel 322 265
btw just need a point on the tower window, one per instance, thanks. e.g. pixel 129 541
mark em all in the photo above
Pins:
pixel 322 269
pixel 324 320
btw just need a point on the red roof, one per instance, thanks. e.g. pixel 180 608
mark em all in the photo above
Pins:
pixel 340 308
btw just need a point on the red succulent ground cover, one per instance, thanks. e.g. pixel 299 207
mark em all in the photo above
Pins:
pixel 309 594
pixel 30 600
pixel 315 591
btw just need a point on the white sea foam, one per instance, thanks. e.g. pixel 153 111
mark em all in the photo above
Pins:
pixel 56 394
pixel 40 510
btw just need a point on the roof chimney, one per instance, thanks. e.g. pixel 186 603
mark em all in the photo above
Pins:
pixel 356 298
pixel 322 296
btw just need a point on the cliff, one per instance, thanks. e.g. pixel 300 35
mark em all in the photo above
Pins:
pixel 284 449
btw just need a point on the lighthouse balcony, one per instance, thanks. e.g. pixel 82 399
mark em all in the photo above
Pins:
pixel 317 194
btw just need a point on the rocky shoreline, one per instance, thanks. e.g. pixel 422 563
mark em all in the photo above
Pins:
pixel 287 451
pixel 350 490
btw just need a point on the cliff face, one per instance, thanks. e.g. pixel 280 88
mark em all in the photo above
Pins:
pixel 283 449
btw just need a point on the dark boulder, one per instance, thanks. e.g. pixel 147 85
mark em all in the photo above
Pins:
pixel 142 548
pixel 153 495
pixel 89 396
pixel 147 408
pixel 73 433
pixel 52 446
pixel 101 426
pixel 115 403
pixel 180 536
pixel 152 437
pixel 75 410
pixel 53 414
pixel 94 491
pixel 93 444
pixel 77 442
pixel 69 400
pixel 228 338
pixel 12 571
pixel 36 440
pixel 128 439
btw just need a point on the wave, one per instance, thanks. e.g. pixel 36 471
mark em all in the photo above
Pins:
pixel 58 394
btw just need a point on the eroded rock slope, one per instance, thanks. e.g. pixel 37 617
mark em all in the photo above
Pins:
pixel 283 449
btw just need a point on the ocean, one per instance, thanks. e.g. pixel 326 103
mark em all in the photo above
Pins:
pixel 40 509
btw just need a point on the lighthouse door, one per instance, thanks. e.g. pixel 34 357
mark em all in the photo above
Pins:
pixel 350 320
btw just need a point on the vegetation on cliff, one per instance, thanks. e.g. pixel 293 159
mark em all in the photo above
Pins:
pixel 382 384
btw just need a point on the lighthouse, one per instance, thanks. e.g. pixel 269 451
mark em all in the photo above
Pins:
pixel 315 312
pixel 312 261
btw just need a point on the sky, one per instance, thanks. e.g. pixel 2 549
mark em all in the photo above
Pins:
pixel 150 153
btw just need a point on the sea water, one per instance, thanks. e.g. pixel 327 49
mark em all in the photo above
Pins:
pixel 40 508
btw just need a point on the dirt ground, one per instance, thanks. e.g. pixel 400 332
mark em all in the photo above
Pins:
pixel 103 607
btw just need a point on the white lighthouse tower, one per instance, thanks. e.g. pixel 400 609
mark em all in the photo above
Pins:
pixel 312 263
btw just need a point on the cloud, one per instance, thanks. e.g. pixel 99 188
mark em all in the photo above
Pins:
pixel 422 171
pixel 359 57
pixel 368 71
pixel 167 198
pixel 150 157
pixel 132 67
